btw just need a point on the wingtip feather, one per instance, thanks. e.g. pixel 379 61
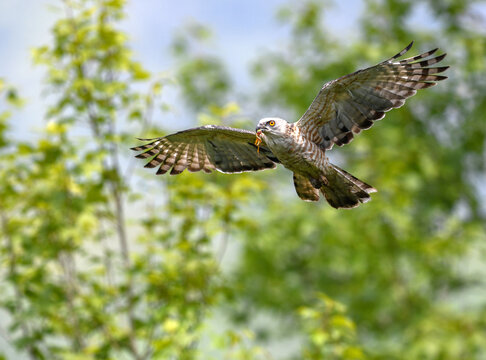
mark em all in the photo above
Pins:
pixel 409 46
pixel 441 57
pixel 401 53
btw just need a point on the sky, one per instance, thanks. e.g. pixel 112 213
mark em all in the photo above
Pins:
pixel 242 29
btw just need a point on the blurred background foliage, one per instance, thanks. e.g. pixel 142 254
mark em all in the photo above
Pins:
pixel 103 260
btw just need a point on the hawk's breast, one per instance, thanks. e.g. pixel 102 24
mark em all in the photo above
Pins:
pixel 297 153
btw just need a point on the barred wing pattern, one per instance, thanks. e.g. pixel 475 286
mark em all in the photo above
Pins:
pixel 347 105
pixel 206 148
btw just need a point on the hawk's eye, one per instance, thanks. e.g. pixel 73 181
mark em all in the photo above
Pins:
pixel 271 123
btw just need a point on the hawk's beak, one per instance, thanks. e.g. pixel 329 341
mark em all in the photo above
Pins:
pixel 260 128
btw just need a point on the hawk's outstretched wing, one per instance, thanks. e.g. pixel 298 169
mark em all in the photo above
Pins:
pixel 347 105
pixel 207 148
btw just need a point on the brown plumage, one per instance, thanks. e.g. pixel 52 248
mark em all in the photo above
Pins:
pixel 341 109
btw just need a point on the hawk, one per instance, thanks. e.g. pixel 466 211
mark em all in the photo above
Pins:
pixel 341 109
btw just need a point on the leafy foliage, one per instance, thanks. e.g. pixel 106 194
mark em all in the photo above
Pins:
pixel 331 333
pixel 100 262
pixel 202 77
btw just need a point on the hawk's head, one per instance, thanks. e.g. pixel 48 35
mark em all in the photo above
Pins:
pixel 272 126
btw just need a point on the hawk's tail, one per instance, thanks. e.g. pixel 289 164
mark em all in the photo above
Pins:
pixel 343 190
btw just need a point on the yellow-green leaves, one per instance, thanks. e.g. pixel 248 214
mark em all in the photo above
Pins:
pixel 331 333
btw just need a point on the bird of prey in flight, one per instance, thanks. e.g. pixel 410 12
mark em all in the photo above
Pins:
pixel 341 109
